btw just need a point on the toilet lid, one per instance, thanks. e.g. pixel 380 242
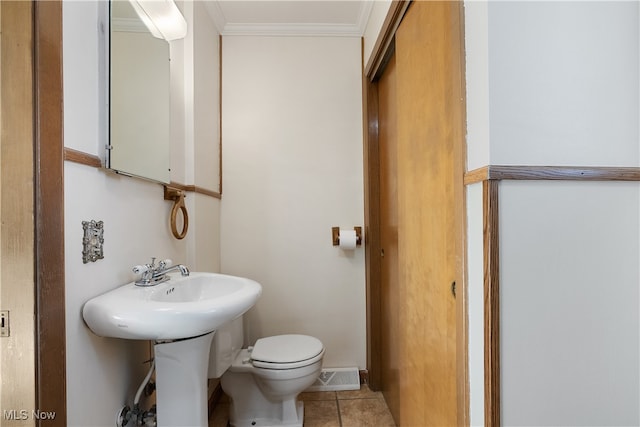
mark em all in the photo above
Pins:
pixel 286 349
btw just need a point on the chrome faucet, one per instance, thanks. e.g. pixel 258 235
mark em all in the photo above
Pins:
pixel 152 274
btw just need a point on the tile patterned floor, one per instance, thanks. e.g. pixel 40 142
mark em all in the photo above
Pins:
pixel 359 408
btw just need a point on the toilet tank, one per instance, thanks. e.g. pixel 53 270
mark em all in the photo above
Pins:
pixel 227 342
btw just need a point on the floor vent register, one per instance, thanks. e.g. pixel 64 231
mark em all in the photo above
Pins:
pixel 335 379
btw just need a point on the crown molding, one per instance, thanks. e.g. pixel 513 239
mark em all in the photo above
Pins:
pixel 291 30
pixel 365 14
pixel 226 28
pixel 217 15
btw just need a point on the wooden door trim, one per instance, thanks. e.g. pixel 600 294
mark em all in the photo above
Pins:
pixel 383 48
pixel 462 305
pixel 491 303
pixel 372 234
pixel 49 213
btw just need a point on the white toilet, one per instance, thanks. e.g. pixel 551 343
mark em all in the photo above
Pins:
pixel 264 381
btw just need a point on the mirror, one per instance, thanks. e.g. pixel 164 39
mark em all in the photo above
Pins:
pixel 139 143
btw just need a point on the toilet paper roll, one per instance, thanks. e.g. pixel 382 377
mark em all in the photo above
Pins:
pixel 348 240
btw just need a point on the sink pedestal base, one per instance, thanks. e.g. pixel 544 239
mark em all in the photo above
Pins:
pixel 181 382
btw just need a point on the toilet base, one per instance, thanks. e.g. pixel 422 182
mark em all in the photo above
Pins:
pixel 266 422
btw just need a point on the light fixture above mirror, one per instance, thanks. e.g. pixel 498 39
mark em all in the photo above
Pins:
pixel 162 17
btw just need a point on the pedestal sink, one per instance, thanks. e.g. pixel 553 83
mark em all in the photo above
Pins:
pixel 180 316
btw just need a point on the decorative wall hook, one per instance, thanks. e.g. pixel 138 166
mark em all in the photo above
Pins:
pixel 335 235
pixel 178 205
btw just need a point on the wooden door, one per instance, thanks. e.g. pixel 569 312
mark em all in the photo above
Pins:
pixel 421 139
pixel 17 355
pixel 390 301
pixel 429 104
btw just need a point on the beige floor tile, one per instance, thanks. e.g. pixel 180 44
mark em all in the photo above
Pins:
pixel 317 395
pixel 321 413
pixel 220 415
pixel 364 393
pixel 365 412
pixel 357 408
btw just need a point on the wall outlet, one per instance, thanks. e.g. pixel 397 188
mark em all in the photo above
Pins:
pixel 4 323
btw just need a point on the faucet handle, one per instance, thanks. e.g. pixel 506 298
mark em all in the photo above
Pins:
pixel 165 263
pixel 139 269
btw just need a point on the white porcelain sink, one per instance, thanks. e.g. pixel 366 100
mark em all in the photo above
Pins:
pixel 183 307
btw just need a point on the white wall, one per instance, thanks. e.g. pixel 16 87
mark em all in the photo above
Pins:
pixel 292 150
pixel 478 153
pixel 556 83
pixel 569 320
pixel 102 373
pixel 206 135
pixel 477 83
pixel 206 94
pixel 200 71
pixel 564 83
pixel 475 301
pixel 534 70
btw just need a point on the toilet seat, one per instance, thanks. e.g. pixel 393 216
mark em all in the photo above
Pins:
pixel 286 352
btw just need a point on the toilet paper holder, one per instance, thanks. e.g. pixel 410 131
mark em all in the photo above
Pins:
pixel 335 235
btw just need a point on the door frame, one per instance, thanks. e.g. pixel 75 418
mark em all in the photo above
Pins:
pixel 382 51
pixel 50 334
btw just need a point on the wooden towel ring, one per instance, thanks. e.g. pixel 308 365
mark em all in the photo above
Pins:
pixel 178 205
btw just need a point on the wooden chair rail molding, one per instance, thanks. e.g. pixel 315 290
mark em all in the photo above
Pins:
pixel 195 189
pixel 81 157
pixel 557 173
pixel 87 159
